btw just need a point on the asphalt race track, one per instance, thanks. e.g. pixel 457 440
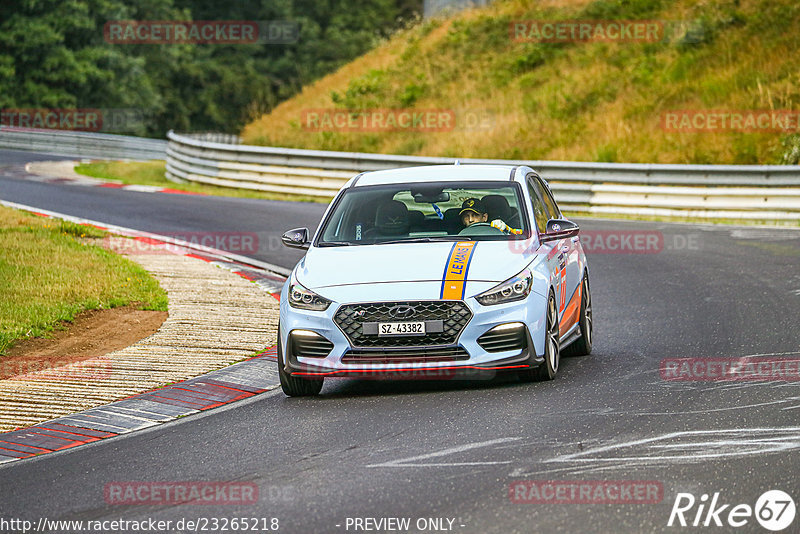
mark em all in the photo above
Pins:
pixel 163 213
pixel 451 449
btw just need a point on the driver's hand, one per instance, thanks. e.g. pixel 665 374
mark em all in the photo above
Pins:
pixel 503 227
pixel 500 225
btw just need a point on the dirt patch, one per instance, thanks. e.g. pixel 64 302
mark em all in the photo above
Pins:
pixel 92 334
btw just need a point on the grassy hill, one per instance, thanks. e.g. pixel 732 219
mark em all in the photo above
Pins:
pixel 582 101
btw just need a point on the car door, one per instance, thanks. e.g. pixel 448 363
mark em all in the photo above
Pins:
pixel 552 250
pixel 571 303
pixel 569 297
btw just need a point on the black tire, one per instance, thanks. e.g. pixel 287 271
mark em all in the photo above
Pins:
pixel 294 386
pixel 583 345
pixel 552 354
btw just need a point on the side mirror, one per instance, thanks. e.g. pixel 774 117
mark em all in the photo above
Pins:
pixel 559 229
pixel 297 238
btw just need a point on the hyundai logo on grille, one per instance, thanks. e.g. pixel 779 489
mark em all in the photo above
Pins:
pixel 402 311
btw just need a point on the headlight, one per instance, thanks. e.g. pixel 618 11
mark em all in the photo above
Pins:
pixel 305 299
pixel 516 288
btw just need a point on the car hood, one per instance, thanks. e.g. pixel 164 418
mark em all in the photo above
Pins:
pixel 490 261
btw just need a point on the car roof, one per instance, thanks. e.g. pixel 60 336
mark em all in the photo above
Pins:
pixel 436 173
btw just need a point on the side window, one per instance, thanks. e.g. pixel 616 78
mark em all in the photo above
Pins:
pixel 549 202
pixel 538 207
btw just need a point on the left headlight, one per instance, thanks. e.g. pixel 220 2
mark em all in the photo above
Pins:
pixel 305 299
pixel 515 288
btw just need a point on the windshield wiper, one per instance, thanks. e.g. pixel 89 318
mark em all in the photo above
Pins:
pixel 408 240
pixel 336 244
pixel 427 239
pixel 453 238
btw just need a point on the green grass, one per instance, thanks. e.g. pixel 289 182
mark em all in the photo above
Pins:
pixel 568 101
pixel 51 270
pixel 153 173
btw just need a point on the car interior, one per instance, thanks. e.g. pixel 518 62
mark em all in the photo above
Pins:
pixel 392 213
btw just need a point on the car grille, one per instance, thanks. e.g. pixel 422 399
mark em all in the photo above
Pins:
pixel 448 354
pixel 453 314
pixel 501 340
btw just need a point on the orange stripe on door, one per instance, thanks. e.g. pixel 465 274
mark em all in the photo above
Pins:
pixel 573 312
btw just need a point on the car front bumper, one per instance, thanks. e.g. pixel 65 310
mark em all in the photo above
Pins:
pixel 474 360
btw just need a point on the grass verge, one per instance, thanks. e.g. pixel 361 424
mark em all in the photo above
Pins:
pixel 154 173
pixel 51 270
pixel 567 101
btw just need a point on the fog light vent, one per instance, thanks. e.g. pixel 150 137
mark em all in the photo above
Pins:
pixel 510 336
pixel 308 344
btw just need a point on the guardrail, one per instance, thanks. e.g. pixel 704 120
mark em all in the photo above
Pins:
pixel 756 192
pixel 760 192
pixel 82 144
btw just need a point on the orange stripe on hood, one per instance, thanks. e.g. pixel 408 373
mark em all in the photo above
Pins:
pixel 454 279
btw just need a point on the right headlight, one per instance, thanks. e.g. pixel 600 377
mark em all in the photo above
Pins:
pixel 515 288
pixel 305 299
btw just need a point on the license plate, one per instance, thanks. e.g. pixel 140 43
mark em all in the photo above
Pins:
pixel 401 329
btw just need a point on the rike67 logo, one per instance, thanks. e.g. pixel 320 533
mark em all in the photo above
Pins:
pixel 774 510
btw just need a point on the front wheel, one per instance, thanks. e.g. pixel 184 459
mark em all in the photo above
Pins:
pixel 548 369
pixel 294 386
pixel 583 345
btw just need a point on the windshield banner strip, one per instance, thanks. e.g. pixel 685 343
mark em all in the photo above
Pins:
pixel 454 281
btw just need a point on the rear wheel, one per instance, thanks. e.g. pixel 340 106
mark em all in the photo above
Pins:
pixel 583 345
pixel 295 386
pixel 548 369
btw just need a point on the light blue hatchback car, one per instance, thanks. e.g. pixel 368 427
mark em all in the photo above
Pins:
pixel 435 272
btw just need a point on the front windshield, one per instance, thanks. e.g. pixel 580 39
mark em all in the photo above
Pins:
pixel 426 212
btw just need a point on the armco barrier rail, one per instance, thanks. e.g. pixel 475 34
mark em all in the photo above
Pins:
pixel 83 144
pixel 754 192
